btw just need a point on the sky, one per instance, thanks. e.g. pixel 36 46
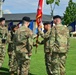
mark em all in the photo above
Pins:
pixel 30 6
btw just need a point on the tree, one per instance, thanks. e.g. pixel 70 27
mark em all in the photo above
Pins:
pixel 70 13
pixel 52 3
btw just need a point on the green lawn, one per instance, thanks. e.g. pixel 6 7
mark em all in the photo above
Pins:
pixel 38 64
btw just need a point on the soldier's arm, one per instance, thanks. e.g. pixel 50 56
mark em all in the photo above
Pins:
pixel 40 33
pixel 47 34
pixel 52 38
pixel 9 37
pixel 30 43
pixel 68 36
pixel 29 35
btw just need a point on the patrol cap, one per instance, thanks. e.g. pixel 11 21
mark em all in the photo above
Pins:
pixel 57 16
pixel 26 19
pixel 13 27
pixel 45 23
pixel 1 19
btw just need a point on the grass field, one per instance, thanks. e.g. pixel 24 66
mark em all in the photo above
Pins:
pixel 38 64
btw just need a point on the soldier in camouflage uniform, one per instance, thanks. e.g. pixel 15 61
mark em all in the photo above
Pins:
pixel 11 53
pixel 3 40
pixel 59 45
pixel 23 42
pixel 46 35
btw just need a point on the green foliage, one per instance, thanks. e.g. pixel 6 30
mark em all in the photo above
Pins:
pixel 57 2
pixel 49 1
pixel 70 13
pixel 52 1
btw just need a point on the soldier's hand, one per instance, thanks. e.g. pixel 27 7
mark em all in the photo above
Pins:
pixel 29 54
pixel 39 27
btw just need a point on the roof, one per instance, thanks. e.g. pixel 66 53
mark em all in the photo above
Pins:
pixel 18 17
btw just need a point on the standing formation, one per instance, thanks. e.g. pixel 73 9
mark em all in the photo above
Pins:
pixel 20 44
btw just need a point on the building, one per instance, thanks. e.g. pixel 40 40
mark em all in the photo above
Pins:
pixel 18 17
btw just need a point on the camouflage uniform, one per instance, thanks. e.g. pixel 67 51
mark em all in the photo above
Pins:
pixel 59 44
pixel 47 51
pixel 3 41
pixel 11 53
pixel 23 43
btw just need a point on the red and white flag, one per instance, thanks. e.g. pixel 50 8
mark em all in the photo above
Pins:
pixel 39 13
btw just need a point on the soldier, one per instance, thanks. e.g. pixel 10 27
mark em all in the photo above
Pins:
pixel 11 53
pixel 59 45
pixel 23 42
pixel 46 35
pixel 3 40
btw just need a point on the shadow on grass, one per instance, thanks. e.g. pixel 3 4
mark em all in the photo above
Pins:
pixel 4 73
pixel 31 74
pixel 4 69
